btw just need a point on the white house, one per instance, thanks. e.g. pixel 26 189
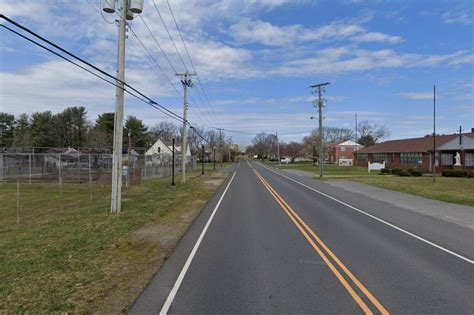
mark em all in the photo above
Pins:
pixel 164 149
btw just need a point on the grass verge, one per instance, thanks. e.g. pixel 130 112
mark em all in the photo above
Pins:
pixel 83 259
pixel 454 190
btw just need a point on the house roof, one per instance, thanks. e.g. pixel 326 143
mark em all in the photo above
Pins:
pixel 61 150
pixel 349 143
pixel 423 144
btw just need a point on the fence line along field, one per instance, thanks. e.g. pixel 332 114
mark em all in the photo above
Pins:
pixel 58 178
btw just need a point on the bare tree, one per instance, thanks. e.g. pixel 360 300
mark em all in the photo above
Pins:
pixel 370 132
pixel 311 146
pixel 194 138
pixel 264 145
pixel 165 130
pixel 336 134
pixel 292 150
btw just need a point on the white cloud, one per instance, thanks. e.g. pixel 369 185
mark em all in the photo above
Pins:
pixel 348 59
pixel 459 16
pixel 417 95
pixel 249 30
pixel 53 85
pixel 377 37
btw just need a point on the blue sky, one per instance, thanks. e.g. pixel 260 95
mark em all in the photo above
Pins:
pixel 256 59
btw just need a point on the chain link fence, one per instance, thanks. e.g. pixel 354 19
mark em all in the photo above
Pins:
pixel 83 167
pixel 85 173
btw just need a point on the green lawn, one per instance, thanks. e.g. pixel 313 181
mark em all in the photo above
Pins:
pixel 329 169
pixel 454 190
pixel 449 189
pixel 83 259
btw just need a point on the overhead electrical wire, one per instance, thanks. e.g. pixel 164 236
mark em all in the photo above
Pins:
pixel 191 62
pixel 180 57
pixel 142 97
pixel 169 34
pixel 155 66
pixel 131 90
pixel 198 109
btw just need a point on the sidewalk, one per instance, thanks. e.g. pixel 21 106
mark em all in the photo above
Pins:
pixel 458 214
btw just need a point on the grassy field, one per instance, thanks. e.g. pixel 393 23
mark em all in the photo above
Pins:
pixel 455 190
pixel 329 169
pixel 82 259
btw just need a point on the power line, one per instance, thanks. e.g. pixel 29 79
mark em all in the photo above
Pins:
pixel 169 34
pixel 155 66
pixel 201 113
pixel 88 64
pixel 100 12
pixel 158 44
pixel 83 68
pixel 191 61
pixel 144 98
pixel 131 90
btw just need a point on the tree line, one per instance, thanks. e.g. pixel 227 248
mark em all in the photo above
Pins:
pixel 72 128
pixel 266 145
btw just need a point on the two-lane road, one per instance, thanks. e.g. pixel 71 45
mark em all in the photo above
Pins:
pixel 271 243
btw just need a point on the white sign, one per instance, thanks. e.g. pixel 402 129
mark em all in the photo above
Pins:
pixel 376 166
pixel 345 162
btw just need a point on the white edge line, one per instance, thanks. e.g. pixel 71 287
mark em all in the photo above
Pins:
pixel 179 280
pixel 375 218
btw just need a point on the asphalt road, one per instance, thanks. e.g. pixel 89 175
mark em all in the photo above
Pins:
pixel 276 243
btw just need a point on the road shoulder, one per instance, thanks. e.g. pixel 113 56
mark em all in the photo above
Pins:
pixel 454 213
pixel 156 292
pixel 458 214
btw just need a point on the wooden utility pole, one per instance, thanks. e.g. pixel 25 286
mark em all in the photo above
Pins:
pixel 319 88
pixel 186 83
pixel 116 198
pixel 434 134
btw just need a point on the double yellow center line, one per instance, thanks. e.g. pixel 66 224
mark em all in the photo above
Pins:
pixel 323 251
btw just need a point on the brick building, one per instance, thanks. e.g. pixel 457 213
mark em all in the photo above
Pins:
pixel 343 150
pixel 418 152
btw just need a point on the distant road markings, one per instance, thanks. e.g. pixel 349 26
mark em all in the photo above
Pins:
pixel 179 280
pixel 305 229
pixel 471 261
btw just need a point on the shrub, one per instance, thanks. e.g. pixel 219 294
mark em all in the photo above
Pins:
pixel 455 173
pixel 470 173
pixel 385 171
pixel 396 171
pixel 404 173
pixel 415 172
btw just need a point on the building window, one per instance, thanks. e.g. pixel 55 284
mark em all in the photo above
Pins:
pixel 469 159
pixel 410 158
pixel 379 157
pixel 446 159
pixel 362 157
pixel 343 149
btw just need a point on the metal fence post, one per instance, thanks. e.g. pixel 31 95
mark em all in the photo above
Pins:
pixel 29 163
pixel 1 167
pixel 172 168
pixel 60 175
pixel 79 165
pixel 90 178
pixel 17 202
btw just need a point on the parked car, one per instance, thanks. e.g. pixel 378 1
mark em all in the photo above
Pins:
pixel 286 160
